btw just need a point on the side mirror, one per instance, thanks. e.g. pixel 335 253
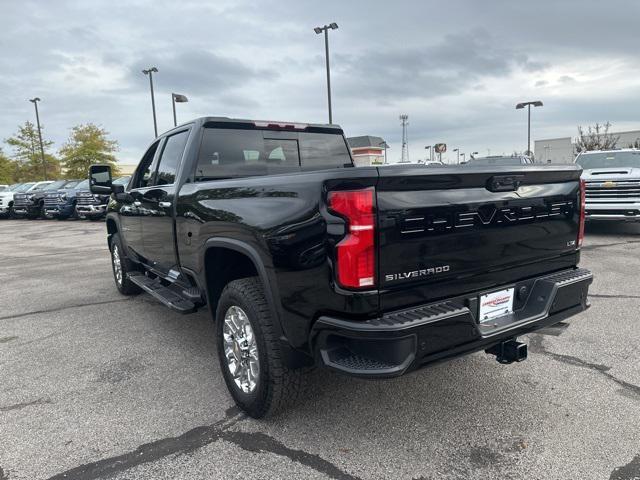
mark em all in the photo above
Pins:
pixel 100 179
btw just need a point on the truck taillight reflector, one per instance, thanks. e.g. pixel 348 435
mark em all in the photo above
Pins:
pixel 355 253
pixel 583 207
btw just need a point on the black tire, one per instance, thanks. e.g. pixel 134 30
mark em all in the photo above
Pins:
pixel 118 256
pixel 277 385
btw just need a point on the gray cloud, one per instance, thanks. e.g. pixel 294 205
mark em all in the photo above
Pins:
pixel 450 66
pixel 202 72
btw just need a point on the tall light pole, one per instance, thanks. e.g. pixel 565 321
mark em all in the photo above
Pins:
pixel 385 145
pixel 428 147
pixel 177 98
pixel 44 163
pixel 535 103
pixel 457 150
pixel 150 72
pixel 325 29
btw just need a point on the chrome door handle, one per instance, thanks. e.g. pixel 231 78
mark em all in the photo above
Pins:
pixel 164 204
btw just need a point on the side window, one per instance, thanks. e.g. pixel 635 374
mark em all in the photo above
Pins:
pixel 170 158
pixel 143 172
pixel 233 153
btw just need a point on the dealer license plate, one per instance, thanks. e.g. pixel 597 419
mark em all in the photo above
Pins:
pixel 496 304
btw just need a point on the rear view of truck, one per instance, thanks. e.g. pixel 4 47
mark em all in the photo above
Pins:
pixel 462 259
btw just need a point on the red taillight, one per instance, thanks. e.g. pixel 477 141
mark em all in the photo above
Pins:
pixel 355 253
pixel 583 206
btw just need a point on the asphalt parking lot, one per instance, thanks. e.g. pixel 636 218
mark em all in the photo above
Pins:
pixel 96 385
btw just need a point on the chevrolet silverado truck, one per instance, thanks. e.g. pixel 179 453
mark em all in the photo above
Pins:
pixel 23 205
pixel 6 198
pixel 60 203
pixel 612 184
pixel 305 260
pixel 93 206
pixel 30 204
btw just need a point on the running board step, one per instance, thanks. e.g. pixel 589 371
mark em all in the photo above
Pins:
pixel 165 295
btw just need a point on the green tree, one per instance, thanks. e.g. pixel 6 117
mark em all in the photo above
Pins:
pixel 27 156
pixel 88 144
pixel 7 169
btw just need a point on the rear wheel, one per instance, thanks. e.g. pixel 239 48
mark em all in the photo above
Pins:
pixel 249 351
pixel 121 265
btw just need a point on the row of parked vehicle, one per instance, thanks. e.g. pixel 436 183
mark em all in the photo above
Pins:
pixel 61 199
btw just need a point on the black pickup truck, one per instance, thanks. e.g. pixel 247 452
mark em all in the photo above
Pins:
pixel 305 260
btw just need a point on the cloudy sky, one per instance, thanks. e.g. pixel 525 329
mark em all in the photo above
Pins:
pixel 457 68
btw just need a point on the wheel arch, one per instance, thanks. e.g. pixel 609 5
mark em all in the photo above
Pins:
pixel 246 262
pixel 112 227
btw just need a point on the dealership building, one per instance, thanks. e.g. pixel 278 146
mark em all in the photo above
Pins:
pixel 367 150
pixel 563 149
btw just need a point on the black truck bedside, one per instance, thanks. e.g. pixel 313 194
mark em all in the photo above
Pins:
pixel 304 260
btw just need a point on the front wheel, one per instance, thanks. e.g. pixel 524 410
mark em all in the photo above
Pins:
pixel 121 265
pixel 249 351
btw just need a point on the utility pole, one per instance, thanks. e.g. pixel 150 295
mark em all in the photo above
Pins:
pixel 150 72
pixel 44 163
pixel 405 142
pixel 325 29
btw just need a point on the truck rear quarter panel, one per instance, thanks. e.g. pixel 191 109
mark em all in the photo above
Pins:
pixel 283 218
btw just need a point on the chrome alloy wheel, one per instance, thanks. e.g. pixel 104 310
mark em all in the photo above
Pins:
pixel 117 266
pixel 241 349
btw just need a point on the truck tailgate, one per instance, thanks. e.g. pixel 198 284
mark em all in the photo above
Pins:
pixel 464 229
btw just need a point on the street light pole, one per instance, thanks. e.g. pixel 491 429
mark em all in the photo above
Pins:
pixel 428 147
pixel 325 29
pixel 44 163
pixel 519 106
pixel 384 144
pixel 177 98
pixel 150 72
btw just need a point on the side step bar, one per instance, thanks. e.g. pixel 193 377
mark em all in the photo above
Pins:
pixel 165 295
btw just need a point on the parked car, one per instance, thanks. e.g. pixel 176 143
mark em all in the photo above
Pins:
pixel 372 272
pixel 612 184
pixel 61 203
pixel 93 206
pixel 30 204
pixel 500 160
pixel 6 198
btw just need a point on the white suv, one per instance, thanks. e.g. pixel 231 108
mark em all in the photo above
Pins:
pixel 6 196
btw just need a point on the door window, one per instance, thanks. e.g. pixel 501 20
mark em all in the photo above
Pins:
pixel 170 158
pixel 143 172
